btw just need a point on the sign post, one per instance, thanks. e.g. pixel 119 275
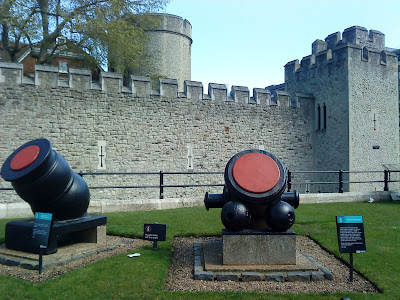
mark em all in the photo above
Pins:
pixel 41 233
pixel 351 238
pixel 155 232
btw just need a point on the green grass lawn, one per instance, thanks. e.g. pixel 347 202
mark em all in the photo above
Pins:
pixel 121 278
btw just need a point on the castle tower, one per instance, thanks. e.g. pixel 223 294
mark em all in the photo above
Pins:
pixel 354 82
pixel 170 47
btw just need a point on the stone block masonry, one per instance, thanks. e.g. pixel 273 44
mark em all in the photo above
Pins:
pixel 146 132
pixel 338 110
pixel 354 81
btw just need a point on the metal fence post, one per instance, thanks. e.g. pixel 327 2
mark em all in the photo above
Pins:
pixel 161 185
pixel 386 180
pixel 289 180
pixel 340 181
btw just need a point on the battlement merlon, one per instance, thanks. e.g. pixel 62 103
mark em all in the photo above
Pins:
pixel 240 94
pixel 11 72
pixel 319 46
pixel 332 40
pixel 193 89
pixel 218 91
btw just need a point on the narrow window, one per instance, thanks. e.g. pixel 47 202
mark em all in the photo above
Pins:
pixel 293 101
pixel 101 155
pixel 365 54
pixel 374 118
pixel 324 112
pixel 274 99
pixel 383 58
pixel 189 156
pixel 319 117
pixel 63 66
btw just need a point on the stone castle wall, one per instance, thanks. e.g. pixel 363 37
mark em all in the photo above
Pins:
pixel 354 82
pixel 339 110
pixel 147 130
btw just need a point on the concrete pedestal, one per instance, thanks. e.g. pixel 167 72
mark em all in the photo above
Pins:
pixel 251 247
pixel 89 229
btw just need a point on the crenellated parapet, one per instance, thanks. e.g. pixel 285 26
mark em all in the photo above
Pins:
pixel 141 86
pixel 355 43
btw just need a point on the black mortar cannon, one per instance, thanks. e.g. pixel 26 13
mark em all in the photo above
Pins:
pixel 41 177
pixel 253 195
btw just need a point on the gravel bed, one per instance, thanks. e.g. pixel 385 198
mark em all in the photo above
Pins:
pixel 126 245
pixel 180 274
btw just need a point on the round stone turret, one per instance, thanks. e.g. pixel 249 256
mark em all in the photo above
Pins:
pixel 170 48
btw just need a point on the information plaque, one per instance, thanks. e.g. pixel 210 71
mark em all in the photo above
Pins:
pixel 350 232
pixel 41 229
pixel 41 233
pixel 155 232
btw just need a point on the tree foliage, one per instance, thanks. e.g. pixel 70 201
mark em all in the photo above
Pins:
pixel 108 30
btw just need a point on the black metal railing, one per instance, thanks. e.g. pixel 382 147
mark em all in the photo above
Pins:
pixel 161 184
pixel 340 182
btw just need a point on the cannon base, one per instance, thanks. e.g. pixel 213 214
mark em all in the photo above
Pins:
pixel 252 247
pixel 90 228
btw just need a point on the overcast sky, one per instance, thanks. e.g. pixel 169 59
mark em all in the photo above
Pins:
pixel 248 42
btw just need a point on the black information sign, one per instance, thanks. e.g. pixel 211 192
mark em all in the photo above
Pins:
pixel 351 239
pixel 350 232
pixel 155 232
pixel 41 229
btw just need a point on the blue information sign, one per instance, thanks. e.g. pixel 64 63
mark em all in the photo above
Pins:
pixel 41 229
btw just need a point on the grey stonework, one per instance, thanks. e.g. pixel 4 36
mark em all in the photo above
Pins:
pixel 148 134
pixel 298 276
pixel 227 276
pixel 258 248
pixel 354 80
pixel 277 277
pixel 200 273
pixel 251 276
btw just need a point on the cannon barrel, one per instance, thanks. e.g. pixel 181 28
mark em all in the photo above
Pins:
pixel 255 176
pixel 41 177
pixel 253 195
